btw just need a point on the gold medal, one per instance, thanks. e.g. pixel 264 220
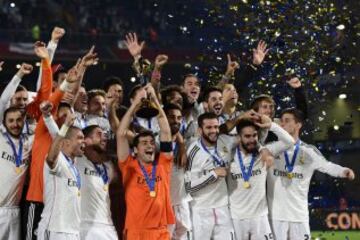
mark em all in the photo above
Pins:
pixel 246 185
pixel 78 193
pixel 152 194
pixel 106 187
pixel 290 175
pixel 18 170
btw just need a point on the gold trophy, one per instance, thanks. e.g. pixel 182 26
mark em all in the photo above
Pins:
pixel 148 108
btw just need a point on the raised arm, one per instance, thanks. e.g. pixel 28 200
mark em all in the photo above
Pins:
pixel 56 35
pixel 90 59
pixel 300 96
pixel 165 132
pixel 123 146
pixel 160 61
pixel 232 66
pixel 55 147
pixel 44 92
pixel 230 124
pixel 285 140
pixel 46 108
pixel 10 89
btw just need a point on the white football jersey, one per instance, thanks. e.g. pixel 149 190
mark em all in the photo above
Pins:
pixel 206 188
pixel 95 199
pixel 251 202
pixel 12 179
pixel 288 197
pixel 61 198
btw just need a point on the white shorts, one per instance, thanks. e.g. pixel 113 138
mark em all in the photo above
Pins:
pixel 43 234
pixel 182 228
pixel 10 223
pixel 212 223
pixel 98 231
pixel 284 230
pixel 253 228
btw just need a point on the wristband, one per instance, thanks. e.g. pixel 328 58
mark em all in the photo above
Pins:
pixel 166 147
pixel 63 130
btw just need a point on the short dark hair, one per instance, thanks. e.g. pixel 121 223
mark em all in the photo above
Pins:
pixel 255 104
pixel 134 90
pixel 95 92
pixel 64 105
pixel 166 92
pixel 87 131
pixel 243 123
pixel 191 75
pixel 20 88
pixel 145 133
pixel 210 90
pixel 298 115
pixel 112 80
pixel 71 131
pixel 204 116
pixel 171 106
pixel 57 73
pixel 13 109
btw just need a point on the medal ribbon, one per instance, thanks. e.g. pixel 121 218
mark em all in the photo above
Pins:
pixel 183 127
pixel 19 153
pixel 175 148
pixel 290 165
pixel 149 182
pixel 75 171
pixel 102 172
pixel 246 174
pixel 216 156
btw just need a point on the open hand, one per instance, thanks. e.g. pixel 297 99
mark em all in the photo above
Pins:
pixel 259 53
pixel 133 45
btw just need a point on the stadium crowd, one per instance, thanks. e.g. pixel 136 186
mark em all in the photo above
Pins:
pixel 186 168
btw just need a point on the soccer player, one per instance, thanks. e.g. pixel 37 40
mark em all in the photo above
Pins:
pixel 15 152
pixel 146 176
pixel 289 179
pixel 247 179
pixel 97 173
pixel 214 101
pixel 207 159
pixel 265 104
pixel 191 108
pixel 42 142
pixel 114 89
pixel 179 197
pixel 60 218
pixel 96 112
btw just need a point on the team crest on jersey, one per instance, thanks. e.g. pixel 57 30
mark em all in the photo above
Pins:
pixel 302 159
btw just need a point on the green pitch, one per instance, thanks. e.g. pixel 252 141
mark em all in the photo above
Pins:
pixel 335 235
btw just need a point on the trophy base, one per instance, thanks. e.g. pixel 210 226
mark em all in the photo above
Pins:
pixel 147 112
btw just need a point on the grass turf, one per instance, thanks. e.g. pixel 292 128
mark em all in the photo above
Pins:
pixel 335 235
